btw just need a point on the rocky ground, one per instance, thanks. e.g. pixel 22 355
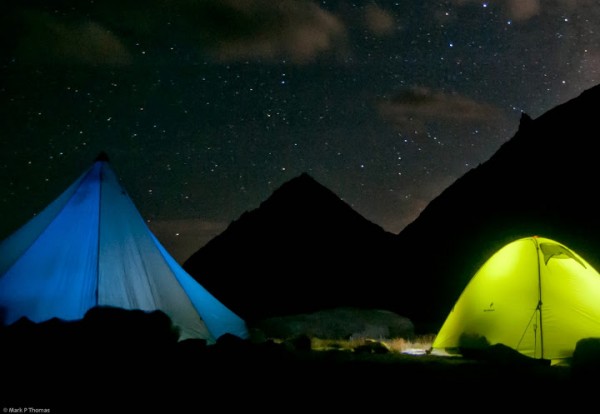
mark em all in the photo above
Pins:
pixel 95 367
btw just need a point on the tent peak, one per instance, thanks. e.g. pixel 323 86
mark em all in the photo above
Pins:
pixel 102 156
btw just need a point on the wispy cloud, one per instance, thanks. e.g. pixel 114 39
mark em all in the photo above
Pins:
pixel 379 21
pixel 297 30
pixel 105 33
pixel 418 106
pixel 518 10
pixel 56 40
pixel 184 237
pixel 524 10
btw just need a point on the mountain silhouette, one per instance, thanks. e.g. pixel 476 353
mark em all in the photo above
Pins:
pixel 301 250
pixel 543 181
pixel 304 249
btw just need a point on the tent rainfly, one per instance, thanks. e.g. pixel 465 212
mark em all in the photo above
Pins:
pixel 533 295
pixel 91 247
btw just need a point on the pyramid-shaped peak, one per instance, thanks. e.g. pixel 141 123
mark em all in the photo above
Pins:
pixel 303 180
pixel 304 186
pixel 303 196
pixel 305 233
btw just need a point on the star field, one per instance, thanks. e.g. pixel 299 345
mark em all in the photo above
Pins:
pixel 205 107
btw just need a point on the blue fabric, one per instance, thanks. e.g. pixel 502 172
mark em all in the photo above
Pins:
pixel 17 243
pixel 56 275
pixel 92 247
pixel 218 318
pixel 133 273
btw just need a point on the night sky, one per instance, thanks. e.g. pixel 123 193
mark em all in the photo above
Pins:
pixel 206 107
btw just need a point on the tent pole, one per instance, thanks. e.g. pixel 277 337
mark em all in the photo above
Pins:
pixel 539 305
pixel 100 177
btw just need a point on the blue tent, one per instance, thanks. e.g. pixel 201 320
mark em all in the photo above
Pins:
pixel 91 247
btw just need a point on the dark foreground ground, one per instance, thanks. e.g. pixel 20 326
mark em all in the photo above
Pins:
pixel 59 369
pixel 270 378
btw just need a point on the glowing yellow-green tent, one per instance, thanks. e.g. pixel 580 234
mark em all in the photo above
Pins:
pixel 534 295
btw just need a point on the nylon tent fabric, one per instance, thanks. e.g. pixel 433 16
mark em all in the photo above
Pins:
pixel 91 247
pixel 534 295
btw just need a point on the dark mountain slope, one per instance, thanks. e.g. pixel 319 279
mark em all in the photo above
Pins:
pixel 544 181
pixel 302 250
